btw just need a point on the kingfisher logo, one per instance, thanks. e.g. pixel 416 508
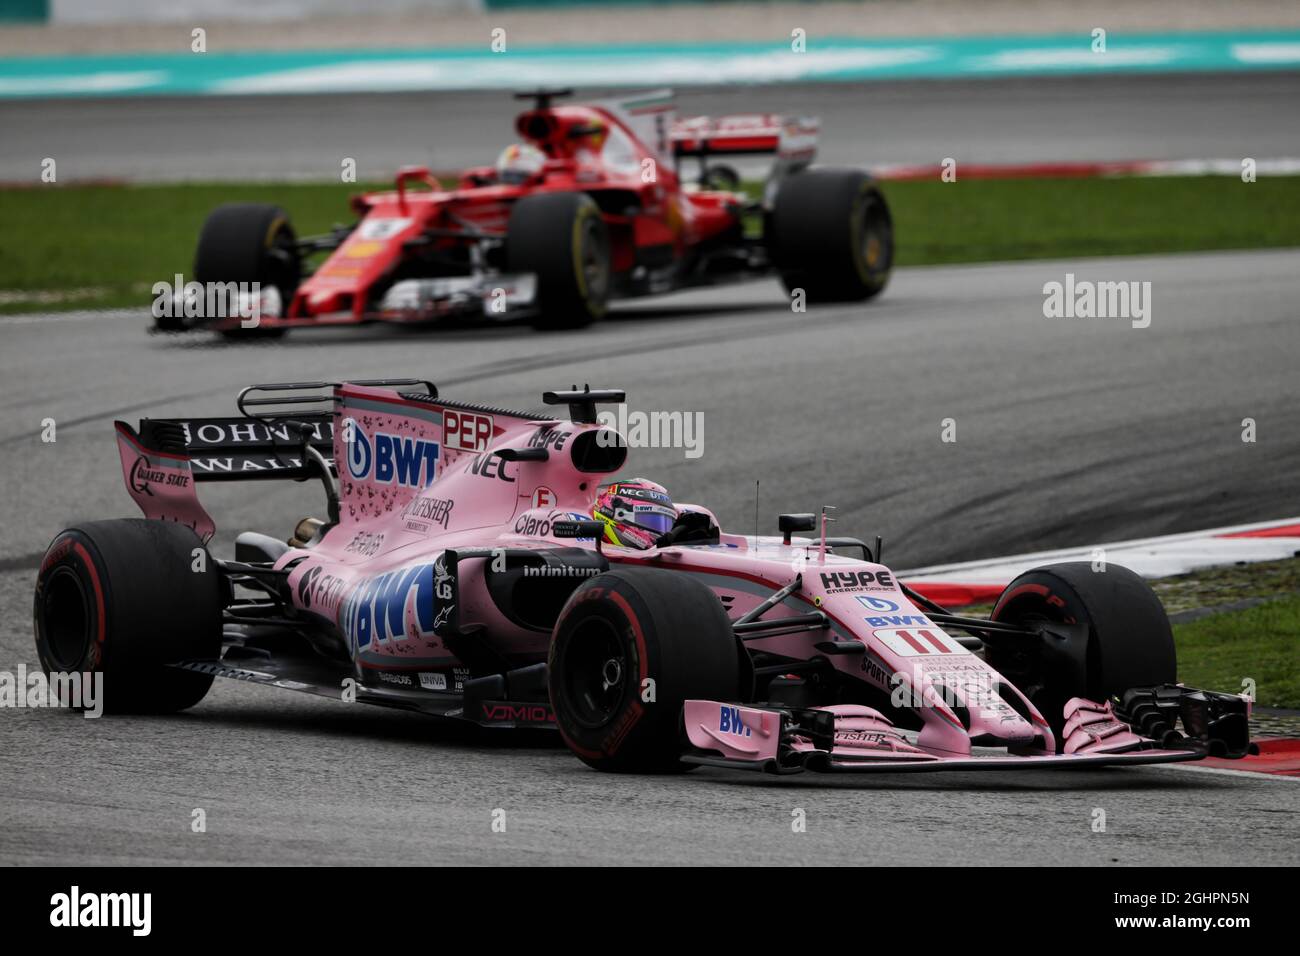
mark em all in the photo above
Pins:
pixel 393 459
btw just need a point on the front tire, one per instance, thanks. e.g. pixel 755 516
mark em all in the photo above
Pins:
pixel 624 633
pixel 1129 640
pixel 562 239
pixel 122 598
pixel 830 233
pixel 250 242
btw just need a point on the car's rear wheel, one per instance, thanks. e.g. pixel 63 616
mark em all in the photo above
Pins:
pixel 246 243
pixel 830 234
pixel 1129 642
pixel 561 238
pixel 721 177
pixel 125 598
pixel 629 649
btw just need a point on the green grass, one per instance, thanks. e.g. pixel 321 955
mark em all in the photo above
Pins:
pixel 1260 644
pixel 1059 218
pixel 109 244
pixel 1214 587
pixel 100 245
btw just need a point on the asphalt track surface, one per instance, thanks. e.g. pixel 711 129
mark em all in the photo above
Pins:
pixel 1018 120
pixel 1068 432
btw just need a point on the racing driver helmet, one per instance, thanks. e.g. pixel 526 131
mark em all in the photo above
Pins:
pixel 635 512
pixel 519 162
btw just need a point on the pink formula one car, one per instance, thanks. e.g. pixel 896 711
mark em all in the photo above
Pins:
pixel 474 565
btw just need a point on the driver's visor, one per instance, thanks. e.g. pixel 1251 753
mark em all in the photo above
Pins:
pixel 655 518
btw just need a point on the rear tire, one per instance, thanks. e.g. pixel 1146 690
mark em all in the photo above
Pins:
pixel 1130 642
pixel 121 598
pixel 250 242
pixel 721 178
pixel 830 233
pixel 620 629
pixel 562 239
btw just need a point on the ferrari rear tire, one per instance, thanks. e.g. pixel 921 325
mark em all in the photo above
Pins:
pixel 1129 640
pixel 125 598
pixel 561 238
pixel 631 646
pixel 250 242
pixel 830 234
pixel 722 178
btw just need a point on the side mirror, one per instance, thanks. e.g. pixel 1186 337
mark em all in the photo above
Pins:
pixel 523 454
pixel 788 524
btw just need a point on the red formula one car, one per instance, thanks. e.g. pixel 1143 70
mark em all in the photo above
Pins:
pixel 591 205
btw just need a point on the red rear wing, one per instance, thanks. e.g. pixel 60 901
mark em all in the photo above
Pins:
pixel 790 137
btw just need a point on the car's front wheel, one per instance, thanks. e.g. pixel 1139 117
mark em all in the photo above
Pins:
pixel 631 646
pixel 1126 638
pixel 561 238
pixel 250 243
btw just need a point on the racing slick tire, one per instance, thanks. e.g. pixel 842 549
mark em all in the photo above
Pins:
pixel 124 598
pixel 620 631
pixel 561 238
pixel 1129 642
pixel 830 233
pixel 250 242
pixel 721 178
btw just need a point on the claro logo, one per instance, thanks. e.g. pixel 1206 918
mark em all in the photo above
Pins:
pixel 76 909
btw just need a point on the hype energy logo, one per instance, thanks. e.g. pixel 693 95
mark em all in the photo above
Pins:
pixel 388 459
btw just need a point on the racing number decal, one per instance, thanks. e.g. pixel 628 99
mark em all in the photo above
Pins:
pixel 918 642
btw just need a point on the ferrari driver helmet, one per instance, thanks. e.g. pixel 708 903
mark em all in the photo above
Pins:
pixel 635 513
pixel 519 162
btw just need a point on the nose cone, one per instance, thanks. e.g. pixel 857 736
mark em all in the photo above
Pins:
pixel 973 691
pixel 996 729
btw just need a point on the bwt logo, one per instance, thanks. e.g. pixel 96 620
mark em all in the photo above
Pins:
pixel 379 608
pixel 410 462
pixel 898 620
pixel 729 722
